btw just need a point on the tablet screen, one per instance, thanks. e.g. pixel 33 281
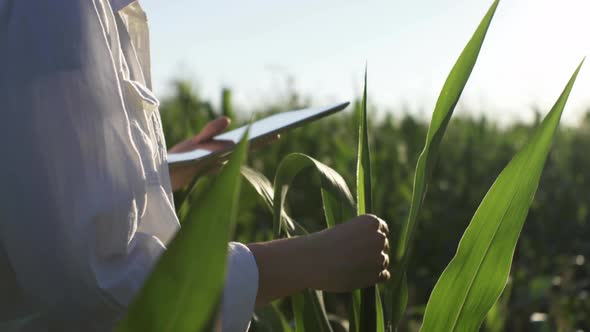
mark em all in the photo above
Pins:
pixel 260 129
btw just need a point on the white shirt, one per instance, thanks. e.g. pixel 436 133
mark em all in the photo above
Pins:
pixel 86 206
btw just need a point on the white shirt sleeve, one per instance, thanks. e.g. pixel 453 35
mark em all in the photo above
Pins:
pixel 84 213
pixel 241 287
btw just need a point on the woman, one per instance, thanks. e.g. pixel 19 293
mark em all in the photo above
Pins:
pixel 87 205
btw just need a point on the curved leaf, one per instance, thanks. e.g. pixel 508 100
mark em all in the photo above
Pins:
pixel 445 105
pixel 476 276
pixel 292 165
pixel 264 188
pixel 178 296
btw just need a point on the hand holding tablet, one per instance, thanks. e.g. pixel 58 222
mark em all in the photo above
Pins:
pixel 259 131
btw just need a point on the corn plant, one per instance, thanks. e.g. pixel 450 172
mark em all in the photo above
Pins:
pixel 445 105
pixel 367 313
pixel 465 292
pixel 476 276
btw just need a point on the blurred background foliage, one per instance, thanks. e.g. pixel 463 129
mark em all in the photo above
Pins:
pixel 549 286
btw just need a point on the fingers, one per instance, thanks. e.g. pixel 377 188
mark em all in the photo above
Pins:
pixel 383 226
pixel 212 128
pixel 383 272
pixel 383 247
pixel 377 223
pixel 203 140
pixel 385 263
pixel 384 276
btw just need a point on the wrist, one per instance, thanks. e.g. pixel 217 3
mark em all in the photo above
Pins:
pixel 307 260
pixel 285 266
pixel 316 260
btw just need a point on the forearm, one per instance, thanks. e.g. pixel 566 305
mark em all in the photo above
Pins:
pixel 285 267
pixel 339 259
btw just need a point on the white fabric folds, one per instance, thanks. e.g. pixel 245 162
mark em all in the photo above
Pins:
pixel 86 206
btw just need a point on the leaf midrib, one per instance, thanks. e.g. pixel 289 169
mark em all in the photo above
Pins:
pixel 472 281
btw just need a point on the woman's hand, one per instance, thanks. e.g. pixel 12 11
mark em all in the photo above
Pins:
pixel 346 257
pixel 180 176
pixel 351 255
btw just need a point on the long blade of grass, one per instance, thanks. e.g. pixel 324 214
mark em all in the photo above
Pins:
pixel 363 166
pixel 355 314
pixel 371 312
pixel 443 111
pixel 380 317
pixel 183 291
pixel 476 276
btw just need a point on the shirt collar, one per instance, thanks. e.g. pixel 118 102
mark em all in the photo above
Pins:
pixel 120 4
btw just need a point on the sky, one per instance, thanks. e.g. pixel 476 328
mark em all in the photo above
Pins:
pixel 260 48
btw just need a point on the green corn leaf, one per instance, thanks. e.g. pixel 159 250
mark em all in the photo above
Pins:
pixel 370 311
pixel 298 303
pixel 363 169
pixel 195 190
pixel 445 105
pixel 476 276
pixel 310 313
pixel 270 319
pixel 264 188
pixel 497 316
pixel 380 318
pixel 226 105
pixel 355 313
pixel 183 291
pixel 333 209
pixel 292 165
pixel 260 183
pixel 397 292
pixel 339 324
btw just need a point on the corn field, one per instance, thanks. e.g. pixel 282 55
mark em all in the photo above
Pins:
pixel 457 202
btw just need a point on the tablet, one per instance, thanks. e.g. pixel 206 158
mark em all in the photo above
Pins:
pixel 259 130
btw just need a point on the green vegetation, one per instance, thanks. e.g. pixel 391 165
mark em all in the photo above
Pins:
pixel 518 265
pixel 367 308
pixel 476 276
pixel 550 283
pixel 166 302
pixel 445 105
pixel 548 273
